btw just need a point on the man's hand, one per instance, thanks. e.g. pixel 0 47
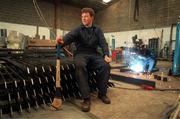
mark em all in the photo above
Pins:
pixel 107 59
pixel 59 40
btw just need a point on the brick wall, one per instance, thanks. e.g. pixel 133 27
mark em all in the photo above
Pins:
pixel 23 12
pixel 68 16
pixel 152 14
pixel 117 17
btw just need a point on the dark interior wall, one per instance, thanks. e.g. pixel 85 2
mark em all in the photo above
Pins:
pixel 68 16
pixel 117 17
pixel 152 14
pixel 23 12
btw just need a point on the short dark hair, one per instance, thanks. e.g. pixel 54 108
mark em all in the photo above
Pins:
pixel 88 10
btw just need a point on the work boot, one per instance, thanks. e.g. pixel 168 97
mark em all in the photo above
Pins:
pixel 104 99
pixel 85 106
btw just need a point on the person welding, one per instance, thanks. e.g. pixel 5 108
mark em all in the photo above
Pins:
pixel 149 59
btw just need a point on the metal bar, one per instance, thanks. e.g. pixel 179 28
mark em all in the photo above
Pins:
pixel 132 80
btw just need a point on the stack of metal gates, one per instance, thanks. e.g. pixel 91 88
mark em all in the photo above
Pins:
pixel 28 83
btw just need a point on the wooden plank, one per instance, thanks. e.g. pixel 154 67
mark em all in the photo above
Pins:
pixel 41 43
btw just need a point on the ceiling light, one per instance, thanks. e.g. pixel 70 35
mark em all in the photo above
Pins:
pixel 106 1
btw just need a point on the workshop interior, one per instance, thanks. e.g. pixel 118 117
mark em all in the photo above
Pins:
pixel 143 38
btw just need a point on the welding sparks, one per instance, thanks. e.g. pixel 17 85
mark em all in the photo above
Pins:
pixel 139 61
pixel 135 61
pixel 137 67
pixel 137 64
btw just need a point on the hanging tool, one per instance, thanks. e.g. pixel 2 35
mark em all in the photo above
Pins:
pixel 35 86
pixel 34 96
pixel 8 88
pixel 136 10
pixel 57 102
pixel 18 97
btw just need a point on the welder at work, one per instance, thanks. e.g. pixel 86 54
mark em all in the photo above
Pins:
pixel 140 59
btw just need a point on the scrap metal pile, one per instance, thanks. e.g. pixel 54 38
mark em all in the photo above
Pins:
pixel 28 82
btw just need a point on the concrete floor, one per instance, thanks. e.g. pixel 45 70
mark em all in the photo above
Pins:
pixel 127 102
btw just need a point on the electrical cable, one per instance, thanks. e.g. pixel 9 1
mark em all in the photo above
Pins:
pixel 38 10
pixel 141 88
pixel 170 109
pixel 177 111
pixel 119 86
pixel 41 16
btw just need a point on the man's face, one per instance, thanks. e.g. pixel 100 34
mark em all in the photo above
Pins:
pixel 86 19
